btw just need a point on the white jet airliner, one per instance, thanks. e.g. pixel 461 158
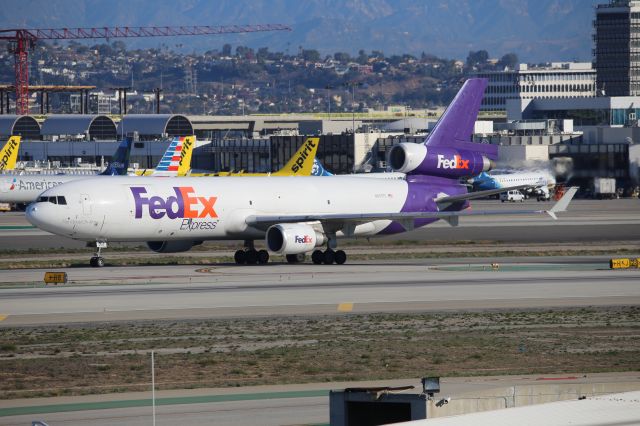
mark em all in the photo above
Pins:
pixel 540 182
pixel 295 215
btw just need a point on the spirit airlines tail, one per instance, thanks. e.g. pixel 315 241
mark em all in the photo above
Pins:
pixel 9 154
pixel 294 216
pixel 301 163
pixel 539 182
pixel 176 160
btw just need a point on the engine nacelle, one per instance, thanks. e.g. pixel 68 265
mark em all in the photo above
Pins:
pixel 413 158
pixel 171 246
pixel 293 238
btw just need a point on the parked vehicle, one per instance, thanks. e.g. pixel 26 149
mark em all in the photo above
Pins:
pixel 513 196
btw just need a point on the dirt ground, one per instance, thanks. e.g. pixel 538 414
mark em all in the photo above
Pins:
pixel 112 357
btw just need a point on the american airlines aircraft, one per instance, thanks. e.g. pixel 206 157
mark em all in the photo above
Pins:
pixel 295 215
pixel 24 189
pixel 540 182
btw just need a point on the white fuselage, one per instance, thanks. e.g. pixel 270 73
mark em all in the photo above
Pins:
pixel 537 179
pixel 126 208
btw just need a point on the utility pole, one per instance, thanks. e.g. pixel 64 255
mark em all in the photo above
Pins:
pixel 153 387
pixel 157 91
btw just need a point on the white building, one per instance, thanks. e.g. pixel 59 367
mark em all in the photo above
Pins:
pixel 559 80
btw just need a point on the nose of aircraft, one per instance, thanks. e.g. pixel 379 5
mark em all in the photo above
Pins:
pixel 36 215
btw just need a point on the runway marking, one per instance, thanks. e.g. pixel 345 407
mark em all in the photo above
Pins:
pixel 3 317
pixel 345 307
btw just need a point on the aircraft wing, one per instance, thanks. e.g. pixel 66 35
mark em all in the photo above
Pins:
pixel 406 219
pixel 480 194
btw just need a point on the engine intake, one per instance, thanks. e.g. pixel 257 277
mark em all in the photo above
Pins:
pixel 293 238
pixel 412 158
pixel 171 246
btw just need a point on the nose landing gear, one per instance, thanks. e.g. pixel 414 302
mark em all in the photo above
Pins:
pixel 97 261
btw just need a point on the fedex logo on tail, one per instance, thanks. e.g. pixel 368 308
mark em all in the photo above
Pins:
pixel 184 205
pixel 455 163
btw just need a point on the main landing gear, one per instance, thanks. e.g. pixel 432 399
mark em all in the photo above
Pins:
pixel 97 261
pixel 330 255
pixel 250 256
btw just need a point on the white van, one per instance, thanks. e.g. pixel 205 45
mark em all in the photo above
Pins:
pixel 513 196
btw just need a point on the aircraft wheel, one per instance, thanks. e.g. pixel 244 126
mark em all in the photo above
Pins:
pixel 295 258
pixel 251 256
pixel 263 257
pixel 239 257
pixel 317 257
pixel 329 257
pixel 96 262
pixel 340 257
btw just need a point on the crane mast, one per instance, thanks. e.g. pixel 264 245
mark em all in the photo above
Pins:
pixel 21 41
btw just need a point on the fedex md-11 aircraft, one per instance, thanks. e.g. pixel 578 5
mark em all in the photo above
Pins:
pixel 295 215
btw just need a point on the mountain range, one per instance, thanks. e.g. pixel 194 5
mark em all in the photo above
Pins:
pixel 536 30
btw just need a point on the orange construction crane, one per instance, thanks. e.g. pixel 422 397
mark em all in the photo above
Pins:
pixel 21 41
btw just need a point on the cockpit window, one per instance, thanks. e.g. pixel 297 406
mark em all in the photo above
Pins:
pixel 53 199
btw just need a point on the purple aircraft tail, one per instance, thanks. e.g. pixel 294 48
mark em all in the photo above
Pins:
pixel 448 151
pixel 456 124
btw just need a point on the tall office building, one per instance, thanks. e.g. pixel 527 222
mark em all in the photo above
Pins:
pixel 617 47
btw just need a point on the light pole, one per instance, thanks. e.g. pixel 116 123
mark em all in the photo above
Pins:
pixel 352 85
pixel 328 89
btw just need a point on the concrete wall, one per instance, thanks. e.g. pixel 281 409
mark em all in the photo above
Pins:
pixel 518 396
pixel 634 164
pixel 518 155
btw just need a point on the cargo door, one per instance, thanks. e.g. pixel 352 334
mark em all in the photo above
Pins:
pixel 86 204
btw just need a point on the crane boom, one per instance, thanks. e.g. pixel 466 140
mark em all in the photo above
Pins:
pixel 22 40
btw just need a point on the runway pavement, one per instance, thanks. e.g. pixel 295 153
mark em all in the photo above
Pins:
pixel 180 292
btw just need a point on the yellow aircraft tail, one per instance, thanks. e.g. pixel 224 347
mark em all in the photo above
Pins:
pixel 9 153
pixel 301 163
pixel 176 161
pixel 188 144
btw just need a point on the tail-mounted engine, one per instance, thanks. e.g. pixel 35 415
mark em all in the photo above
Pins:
pixel 293 238
pixel 413 158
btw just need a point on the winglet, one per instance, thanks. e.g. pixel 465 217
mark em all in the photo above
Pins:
pixel 563 203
